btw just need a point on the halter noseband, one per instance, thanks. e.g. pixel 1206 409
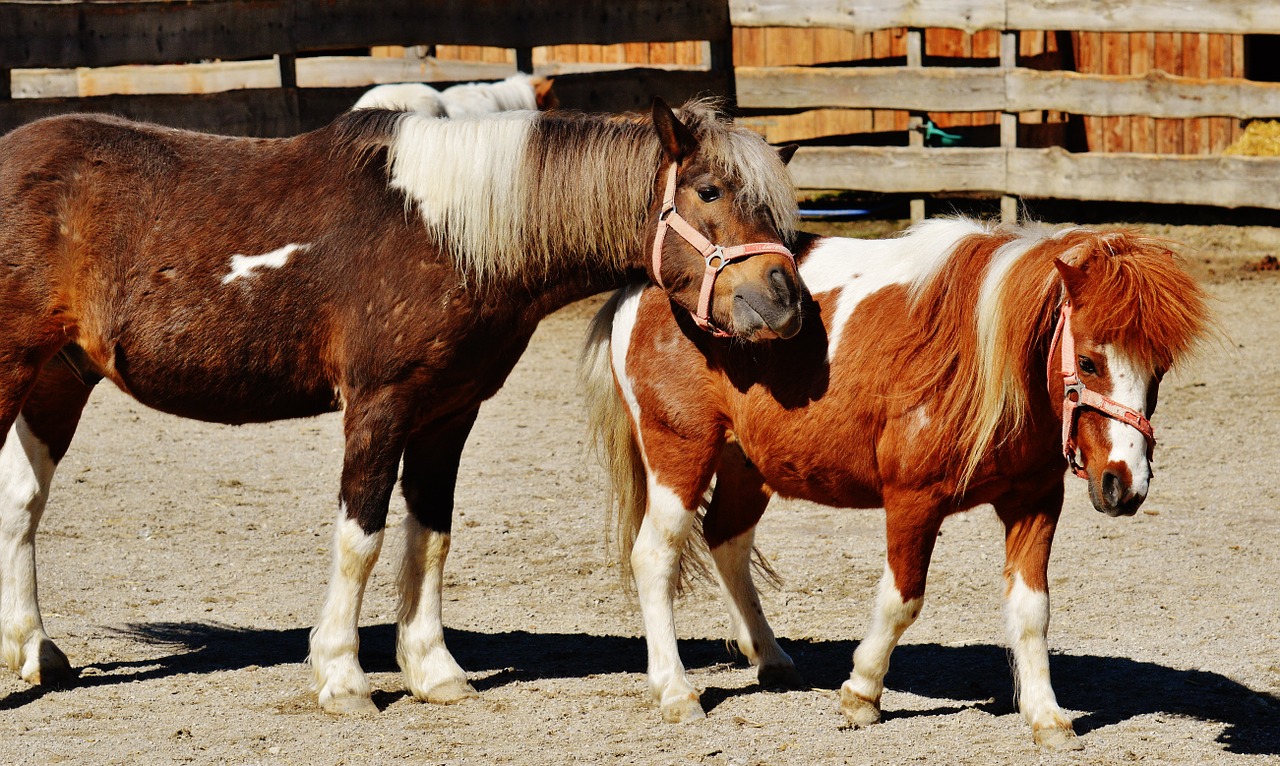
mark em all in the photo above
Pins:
pixel 1075 395
pixel 717 257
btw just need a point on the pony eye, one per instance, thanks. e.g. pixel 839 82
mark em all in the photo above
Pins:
pixel 1087 366
pixel 708 193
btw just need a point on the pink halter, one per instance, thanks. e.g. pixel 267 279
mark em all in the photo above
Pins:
pixel 1076 395
pixel 717 257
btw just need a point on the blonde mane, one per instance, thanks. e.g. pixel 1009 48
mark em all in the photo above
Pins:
pixel 1002 289
pixel 522 195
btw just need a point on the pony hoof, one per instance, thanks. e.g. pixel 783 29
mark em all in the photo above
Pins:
pixel 780 677
pixel 1058 739
pixel 683 711
pixel 450 692
pixel 858 711
pixel 349 705
pixel 52 667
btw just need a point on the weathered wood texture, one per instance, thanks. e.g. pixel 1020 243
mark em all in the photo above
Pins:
pixel 954 89
pixel 1217 16
pixel 71 34
pixel 1043 173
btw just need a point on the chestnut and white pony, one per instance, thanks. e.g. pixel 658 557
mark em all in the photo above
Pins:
pixel 390 265
pixel 517 92
pixel 927 379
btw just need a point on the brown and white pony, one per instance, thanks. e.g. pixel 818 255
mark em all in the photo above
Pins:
pixel 390 265
pixel 917 384
pixel 519 91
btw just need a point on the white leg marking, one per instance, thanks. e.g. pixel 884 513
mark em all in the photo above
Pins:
pixel 860 695
pixel 26 469
pixel 750 628
pixel 655 560
pixel 335 640
pixel 1026 614
pixel 430 671
pixel 245 265
pixel 1129 383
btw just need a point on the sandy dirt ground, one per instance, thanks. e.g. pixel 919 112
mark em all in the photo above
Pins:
pixel 182 565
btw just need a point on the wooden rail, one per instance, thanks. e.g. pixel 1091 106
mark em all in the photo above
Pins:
pixel 1009 170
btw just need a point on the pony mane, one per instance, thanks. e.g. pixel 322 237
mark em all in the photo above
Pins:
pixel 520 195
pixel 1001 286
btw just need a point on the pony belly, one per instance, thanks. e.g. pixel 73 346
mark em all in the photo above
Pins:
pixel 220 388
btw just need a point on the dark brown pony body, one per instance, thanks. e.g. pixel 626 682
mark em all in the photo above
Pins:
pixel 388 265
pixel 919 385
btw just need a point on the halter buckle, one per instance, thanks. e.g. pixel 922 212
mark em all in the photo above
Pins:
pixel 717 260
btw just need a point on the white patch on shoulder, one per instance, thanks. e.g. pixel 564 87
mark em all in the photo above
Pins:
pixel 245 265
pixel 861 267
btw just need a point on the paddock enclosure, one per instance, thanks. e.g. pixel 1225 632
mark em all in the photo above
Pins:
pixel 183 563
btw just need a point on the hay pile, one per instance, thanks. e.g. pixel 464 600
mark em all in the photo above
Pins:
pixel 1260 139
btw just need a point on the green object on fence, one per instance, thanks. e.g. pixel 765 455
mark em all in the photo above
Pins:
pixel 934 134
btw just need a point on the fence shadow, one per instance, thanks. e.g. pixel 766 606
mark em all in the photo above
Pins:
pixel 1109 689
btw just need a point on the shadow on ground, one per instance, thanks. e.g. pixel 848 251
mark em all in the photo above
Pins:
pixel 1108 689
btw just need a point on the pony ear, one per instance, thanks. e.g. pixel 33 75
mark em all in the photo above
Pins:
pixel 1072 276
pixel 677 140
pixel 542 93
pixel 785 153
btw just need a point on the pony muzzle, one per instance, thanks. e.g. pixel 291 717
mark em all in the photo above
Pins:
pixel 767 310
pixel 1115 492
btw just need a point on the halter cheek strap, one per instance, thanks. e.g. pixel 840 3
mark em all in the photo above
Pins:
pixel 716 256
pixel 1075 396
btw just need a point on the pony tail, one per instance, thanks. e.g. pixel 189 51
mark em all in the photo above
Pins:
pixel 614 440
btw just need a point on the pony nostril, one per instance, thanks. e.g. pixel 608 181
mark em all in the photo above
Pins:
pixel 778 278
pixel 1112 488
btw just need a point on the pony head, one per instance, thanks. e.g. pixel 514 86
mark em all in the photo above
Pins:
pixel 1130 314
pixel 732 189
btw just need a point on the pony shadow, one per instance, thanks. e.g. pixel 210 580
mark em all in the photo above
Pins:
pixel 1109 689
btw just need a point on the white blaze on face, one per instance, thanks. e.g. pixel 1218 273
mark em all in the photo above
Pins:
pixel 246 265
pixel 1129 385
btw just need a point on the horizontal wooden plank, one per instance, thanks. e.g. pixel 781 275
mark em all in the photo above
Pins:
pixel 72 34
pixel 1044 174
pixel 1155 94
pixel 213 77
pixel 1221 16
pixel 898 170
pixel 976 89
pixel 868 15
pixel 940 89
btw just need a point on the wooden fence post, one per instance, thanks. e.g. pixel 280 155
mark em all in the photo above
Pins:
pixel 915 121
pixel 1008 123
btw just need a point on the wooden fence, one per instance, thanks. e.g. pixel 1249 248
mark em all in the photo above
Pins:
pixel 1010 169
pixel 997 67
pixel 283 34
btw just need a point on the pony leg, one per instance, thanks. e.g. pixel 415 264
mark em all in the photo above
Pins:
pixel 729 527
pixel 430 475
pixel 374 442
pixel 898 602
pixel 655 562
pixel 1028 539
pixel 36 441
